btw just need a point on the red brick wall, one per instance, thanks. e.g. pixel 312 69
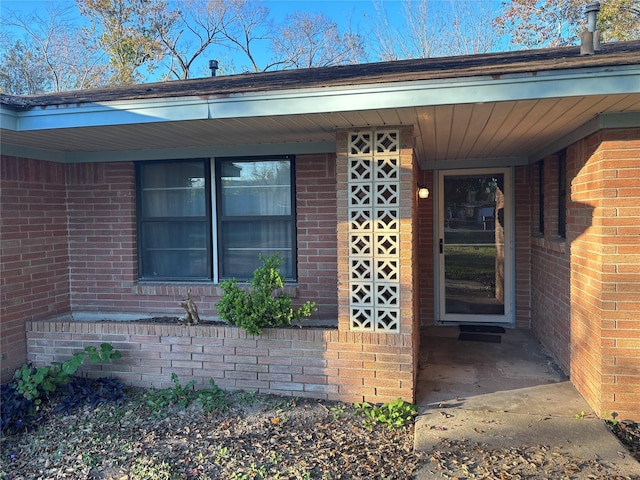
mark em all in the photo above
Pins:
pixel 103 244
pixel 522 189
pixel 317 223
pixel 606 281
pixel 425 250
pixel 69 245
pixel 550 269
pixel 585 305
pixel 318 363
pixel 35 264
pixel 102 238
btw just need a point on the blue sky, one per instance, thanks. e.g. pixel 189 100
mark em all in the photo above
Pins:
pixel 358 14
pixel 338 10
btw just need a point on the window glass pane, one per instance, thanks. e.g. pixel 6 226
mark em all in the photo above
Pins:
pixel 255 188
pixel 173 189
pixel 174 228
pixel 179 264
pixel 175 249
pixel 242 242
pixel 175 235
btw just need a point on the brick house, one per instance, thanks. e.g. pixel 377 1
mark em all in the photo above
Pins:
pixel 116 202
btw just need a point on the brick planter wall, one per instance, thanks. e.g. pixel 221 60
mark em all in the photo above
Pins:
pixel 307 362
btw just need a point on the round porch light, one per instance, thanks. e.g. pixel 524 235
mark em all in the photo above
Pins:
pixel 423 192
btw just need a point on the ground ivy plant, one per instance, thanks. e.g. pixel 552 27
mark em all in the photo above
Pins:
pixel 263 302
pixel 395 414
pixel 210 399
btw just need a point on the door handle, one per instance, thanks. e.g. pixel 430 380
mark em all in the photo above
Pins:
pixel 441 245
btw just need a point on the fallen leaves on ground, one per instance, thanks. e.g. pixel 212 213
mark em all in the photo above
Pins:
pixel 469 460
pixel 266 437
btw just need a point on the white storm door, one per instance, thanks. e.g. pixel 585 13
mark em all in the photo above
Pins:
pixel 474 247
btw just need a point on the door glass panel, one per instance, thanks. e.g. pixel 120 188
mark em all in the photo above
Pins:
pixel 473 244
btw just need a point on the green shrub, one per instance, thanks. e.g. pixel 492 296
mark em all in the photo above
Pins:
pixel 22 398
pixel 33 382
pixel 264 303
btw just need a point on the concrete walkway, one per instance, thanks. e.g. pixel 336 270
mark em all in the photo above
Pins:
pixel 506 394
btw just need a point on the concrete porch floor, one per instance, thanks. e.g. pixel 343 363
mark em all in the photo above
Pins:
pixel 505 394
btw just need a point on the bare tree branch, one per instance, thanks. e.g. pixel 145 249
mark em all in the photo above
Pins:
pixel 52 54
pixel 305 41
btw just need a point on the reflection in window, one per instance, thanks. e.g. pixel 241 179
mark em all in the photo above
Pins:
pixel 173 221
pixel 255 216
pixel 256 205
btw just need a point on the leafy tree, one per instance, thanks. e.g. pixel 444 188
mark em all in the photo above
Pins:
pixel 555 23
pixel 619 20
pixel 124 32
pixel 21 71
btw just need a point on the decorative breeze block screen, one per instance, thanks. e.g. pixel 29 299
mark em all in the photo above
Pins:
pixel 374 230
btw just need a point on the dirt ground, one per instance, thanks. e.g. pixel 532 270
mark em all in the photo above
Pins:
pixel 264 437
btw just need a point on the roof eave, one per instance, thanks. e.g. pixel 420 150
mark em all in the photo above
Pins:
pixel 451 91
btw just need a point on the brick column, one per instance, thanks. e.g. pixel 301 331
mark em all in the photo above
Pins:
pixel 377 308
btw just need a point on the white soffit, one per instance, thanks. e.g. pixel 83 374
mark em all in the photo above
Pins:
pixel 538 85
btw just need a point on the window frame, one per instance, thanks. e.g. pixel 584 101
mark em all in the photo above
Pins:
pixel 562 194
pixel 141 221
pixel 222 219
pixel 213 218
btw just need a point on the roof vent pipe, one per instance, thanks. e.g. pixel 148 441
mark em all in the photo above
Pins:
pixel 592 10
pixel 213 66
pixel 590 38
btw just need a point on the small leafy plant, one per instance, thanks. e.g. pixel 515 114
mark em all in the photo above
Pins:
pixel 160 400
pixel 32 382
pixel 91 392
pixel 264 303
pixel 395 414
pixel 210 399
pixel 611 418
pixel 153 468
pixel 31 386
pixel 337 412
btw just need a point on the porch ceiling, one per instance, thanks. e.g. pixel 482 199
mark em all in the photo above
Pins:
pixel 522 130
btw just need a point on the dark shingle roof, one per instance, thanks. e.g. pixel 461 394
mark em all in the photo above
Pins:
pixel 494 64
